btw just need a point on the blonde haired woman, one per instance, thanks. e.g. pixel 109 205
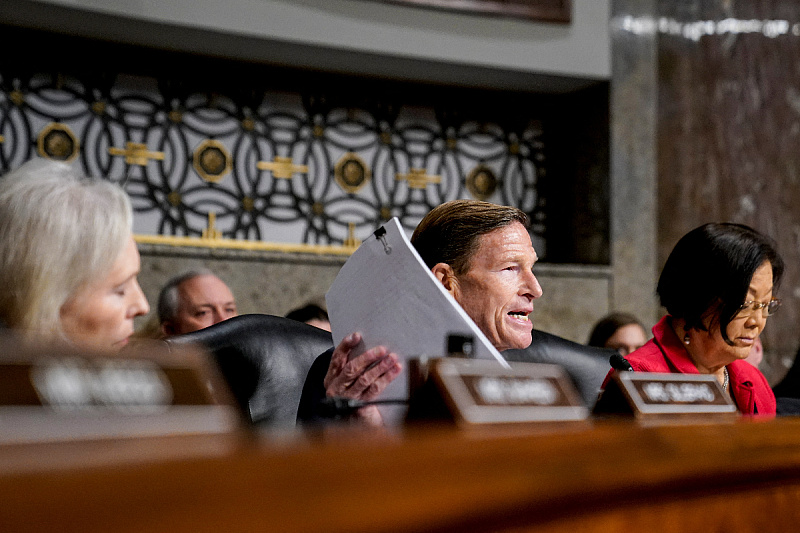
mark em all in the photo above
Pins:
pixel 68 262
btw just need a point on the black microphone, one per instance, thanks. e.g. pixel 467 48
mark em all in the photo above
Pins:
pixel 619 363
pixel 340 407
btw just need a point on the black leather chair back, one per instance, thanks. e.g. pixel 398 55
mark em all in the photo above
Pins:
pixel 787 392
pixel 586 365
pixel 789 387
pixel 265 360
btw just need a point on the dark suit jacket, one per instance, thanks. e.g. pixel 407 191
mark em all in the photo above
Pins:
pixel 585 365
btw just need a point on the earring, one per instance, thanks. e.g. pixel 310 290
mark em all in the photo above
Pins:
pixel 686 339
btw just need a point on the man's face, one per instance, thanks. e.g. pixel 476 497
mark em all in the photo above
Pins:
pixel 498 289
pixel 202 302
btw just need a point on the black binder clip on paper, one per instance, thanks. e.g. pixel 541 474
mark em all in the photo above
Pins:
pixel 380 234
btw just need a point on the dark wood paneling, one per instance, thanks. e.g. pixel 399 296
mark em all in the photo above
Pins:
pixel 741 476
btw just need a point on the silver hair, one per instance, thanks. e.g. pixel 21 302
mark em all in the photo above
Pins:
pixel 168 298
pixel 59 230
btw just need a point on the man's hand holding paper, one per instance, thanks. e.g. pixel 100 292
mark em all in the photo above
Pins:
pixel 361 377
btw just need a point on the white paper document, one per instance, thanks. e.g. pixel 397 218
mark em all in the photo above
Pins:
pixel 387 293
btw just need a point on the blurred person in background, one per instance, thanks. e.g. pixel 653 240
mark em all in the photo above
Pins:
pixel 192 301
pixel 620 331
pixel 312 314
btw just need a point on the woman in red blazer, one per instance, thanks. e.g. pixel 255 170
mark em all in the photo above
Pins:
pixel 718 287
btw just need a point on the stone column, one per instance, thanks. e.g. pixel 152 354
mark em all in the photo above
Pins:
pixel 634 100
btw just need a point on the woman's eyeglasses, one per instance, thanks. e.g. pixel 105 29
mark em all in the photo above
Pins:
pixel 748 309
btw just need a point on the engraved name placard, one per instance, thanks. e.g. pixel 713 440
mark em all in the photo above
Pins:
pixel 647 393
pixel 484 392
pixel 60 393
pixel 126 384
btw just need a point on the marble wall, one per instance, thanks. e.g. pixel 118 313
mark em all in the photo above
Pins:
pixel 633 174
pixel 725 81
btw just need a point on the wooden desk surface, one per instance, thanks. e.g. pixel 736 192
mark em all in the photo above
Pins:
pixel 606 476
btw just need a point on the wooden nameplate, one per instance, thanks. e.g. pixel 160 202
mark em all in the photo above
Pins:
pixel 481 391
pixel 59 393
pixel 649 395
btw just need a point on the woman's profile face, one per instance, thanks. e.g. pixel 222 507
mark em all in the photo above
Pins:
pixel 742 331
pixel 100 315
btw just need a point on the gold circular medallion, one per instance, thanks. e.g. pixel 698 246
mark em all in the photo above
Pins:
pixel 481 182
pixel 351 173
pixel 57 142
pixel 211 160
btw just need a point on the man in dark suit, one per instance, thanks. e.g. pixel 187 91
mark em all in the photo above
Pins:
pixel 483 255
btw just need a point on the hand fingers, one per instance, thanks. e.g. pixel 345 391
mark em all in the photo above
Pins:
pixel 354 377
pixel 361 364
pixel 374 379
pixel 340 357
pixel 340 379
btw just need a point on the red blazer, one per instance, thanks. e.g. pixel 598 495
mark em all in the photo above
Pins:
pixel 665 353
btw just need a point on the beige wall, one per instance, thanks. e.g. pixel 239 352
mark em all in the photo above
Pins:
pixel 275 283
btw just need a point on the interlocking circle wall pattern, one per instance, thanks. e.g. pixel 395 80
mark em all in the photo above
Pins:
pixel 288 168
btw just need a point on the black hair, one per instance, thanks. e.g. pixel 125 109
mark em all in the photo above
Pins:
pixel 608 325
pixel 308 312
pixel 710 270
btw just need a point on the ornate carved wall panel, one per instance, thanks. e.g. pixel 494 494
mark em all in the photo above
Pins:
pixel 257 152
pixel 321 173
